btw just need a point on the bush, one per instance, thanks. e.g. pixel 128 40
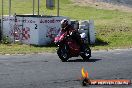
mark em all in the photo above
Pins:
pixel 5 40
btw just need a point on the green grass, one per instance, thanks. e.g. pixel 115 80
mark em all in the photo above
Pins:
pixel 24 49
pixel 113 27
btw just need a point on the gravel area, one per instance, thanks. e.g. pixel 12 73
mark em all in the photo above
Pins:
pixel 123 5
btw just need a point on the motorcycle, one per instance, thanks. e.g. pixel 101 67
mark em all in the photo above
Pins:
pixel 67 47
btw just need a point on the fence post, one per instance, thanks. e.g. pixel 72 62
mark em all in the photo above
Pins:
pixel 2 9
pixel 58 7
pixel 9 7
pixel 38 7
pixel 33 7
pixel 0 29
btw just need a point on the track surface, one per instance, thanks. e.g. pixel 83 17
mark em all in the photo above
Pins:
pixel 46 70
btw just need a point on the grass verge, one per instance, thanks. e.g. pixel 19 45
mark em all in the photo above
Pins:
pixel 24 49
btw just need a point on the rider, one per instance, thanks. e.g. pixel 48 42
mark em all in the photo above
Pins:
pixel 66 27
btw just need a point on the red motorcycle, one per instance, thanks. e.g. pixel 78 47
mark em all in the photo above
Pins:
pixel 67 48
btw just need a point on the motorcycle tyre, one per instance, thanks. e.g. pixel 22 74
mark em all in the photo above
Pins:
pixel 60 54
pixel 83 55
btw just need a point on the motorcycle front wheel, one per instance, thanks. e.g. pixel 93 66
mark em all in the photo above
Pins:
pixel 63 53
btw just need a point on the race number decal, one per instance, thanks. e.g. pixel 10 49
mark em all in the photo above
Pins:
pixel 36 26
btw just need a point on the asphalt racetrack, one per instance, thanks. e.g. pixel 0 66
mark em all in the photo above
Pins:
pixel 47 71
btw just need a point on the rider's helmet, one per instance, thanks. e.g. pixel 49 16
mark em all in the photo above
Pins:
pixel 64 23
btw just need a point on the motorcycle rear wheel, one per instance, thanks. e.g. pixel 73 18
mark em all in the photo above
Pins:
pixel 86 55
pixel 63 53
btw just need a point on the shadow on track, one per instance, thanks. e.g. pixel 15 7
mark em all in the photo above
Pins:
pixel 81 60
